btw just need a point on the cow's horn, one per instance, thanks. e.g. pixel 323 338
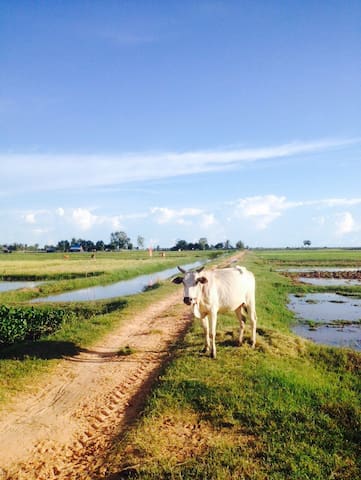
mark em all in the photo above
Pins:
pixel 200 269
pixel 181 269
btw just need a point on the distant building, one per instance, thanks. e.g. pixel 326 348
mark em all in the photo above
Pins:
pixel 76 248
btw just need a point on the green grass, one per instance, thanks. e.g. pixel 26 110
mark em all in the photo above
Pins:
pixel 21 365
pixel 80 271
pixel 287 410
pixel 305 256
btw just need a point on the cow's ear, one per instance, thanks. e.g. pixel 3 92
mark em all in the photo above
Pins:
pixel 202 280
pixel 177 280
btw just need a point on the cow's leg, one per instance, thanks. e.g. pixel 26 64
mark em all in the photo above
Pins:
pixel 253 320
pixel 205 325
pixel 213 327
pixel 242 319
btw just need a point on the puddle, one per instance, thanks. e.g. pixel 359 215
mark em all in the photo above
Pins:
pixel 324 310
pixel 7 286
pixel 118 289
pixel 348 336
pixel 318 269
pixel 325 307
pixel 326 282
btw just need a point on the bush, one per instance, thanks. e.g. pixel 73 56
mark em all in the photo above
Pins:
pixel 28 323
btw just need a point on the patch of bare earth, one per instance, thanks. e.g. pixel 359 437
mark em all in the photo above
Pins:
pixel 65 430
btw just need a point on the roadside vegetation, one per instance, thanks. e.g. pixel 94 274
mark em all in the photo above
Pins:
pixel 75 325
pixel 80 270
pixel 289 409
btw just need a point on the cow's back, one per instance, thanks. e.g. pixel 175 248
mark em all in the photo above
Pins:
pixel 231 287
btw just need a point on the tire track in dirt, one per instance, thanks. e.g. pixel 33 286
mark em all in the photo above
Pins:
pixel 65 430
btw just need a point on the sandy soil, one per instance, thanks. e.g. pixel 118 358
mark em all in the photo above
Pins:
pixel 65 430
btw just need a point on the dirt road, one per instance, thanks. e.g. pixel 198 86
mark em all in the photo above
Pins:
pixel 65 430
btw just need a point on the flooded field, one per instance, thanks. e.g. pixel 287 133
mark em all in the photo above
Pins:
pixel 329 282
pixel 328 318
pixel 118 289
pixel 8 286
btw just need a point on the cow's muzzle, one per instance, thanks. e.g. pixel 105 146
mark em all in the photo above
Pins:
pixel 187 300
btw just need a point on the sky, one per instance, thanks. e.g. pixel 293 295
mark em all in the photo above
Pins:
pixel 230 120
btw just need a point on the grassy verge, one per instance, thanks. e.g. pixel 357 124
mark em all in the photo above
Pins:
pixel 23 364
pixel 80 271
pixel 287 410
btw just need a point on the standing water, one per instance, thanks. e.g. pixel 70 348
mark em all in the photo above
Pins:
pixel 118 289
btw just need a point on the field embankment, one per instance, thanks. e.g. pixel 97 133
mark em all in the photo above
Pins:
pixel 287 410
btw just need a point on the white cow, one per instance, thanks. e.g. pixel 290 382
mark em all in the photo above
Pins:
pixel 220 290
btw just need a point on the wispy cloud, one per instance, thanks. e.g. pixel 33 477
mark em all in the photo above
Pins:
pixel 263 210
pixel 70 171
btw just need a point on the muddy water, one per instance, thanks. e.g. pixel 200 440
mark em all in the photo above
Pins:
pixel 328 318
pixel 118 289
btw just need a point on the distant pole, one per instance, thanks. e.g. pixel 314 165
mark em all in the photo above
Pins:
pixel 150 251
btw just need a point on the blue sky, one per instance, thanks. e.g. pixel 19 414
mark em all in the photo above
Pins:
pixel 230 120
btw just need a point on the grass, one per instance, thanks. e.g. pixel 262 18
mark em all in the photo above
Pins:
pixel 289 409
pixel 22 365
pixel 81 271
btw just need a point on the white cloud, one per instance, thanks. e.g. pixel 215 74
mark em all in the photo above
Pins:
pixel 30 218
pixel 346 224
pixel 84 218
pixel 208 220
pixel 262 210
pixel 36 172
pixel 180 216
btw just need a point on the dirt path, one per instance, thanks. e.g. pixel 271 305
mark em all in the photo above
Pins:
pixel 65 430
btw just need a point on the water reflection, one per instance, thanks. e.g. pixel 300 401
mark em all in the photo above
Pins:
pixel 118 289
pixel 337 336
pixel 328 318
pixel 326 282
pixel 326 307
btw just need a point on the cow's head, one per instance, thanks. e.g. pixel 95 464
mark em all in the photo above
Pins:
pixel 191 282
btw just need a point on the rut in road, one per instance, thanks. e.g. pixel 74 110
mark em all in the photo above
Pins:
pixel 66 430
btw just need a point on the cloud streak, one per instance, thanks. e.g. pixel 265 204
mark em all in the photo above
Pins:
pixel 42 172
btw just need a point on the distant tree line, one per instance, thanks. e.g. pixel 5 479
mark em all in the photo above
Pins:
pixel 120 241
pixel 203 244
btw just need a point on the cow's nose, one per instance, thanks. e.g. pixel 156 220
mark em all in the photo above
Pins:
pixel 187 300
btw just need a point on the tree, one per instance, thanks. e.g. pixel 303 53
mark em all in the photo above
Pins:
pixel 100 245
pixel 63 245
pixel 307 243
pixel 180 245
pixel 140 241
pixel 227 245
pixel 240 245
pixel 203 243
pixel 119 240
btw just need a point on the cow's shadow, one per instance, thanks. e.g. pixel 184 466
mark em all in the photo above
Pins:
pixel 42 349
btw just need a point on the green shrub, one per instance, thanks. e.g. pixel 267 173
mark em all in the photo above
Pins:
pixel 28 323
